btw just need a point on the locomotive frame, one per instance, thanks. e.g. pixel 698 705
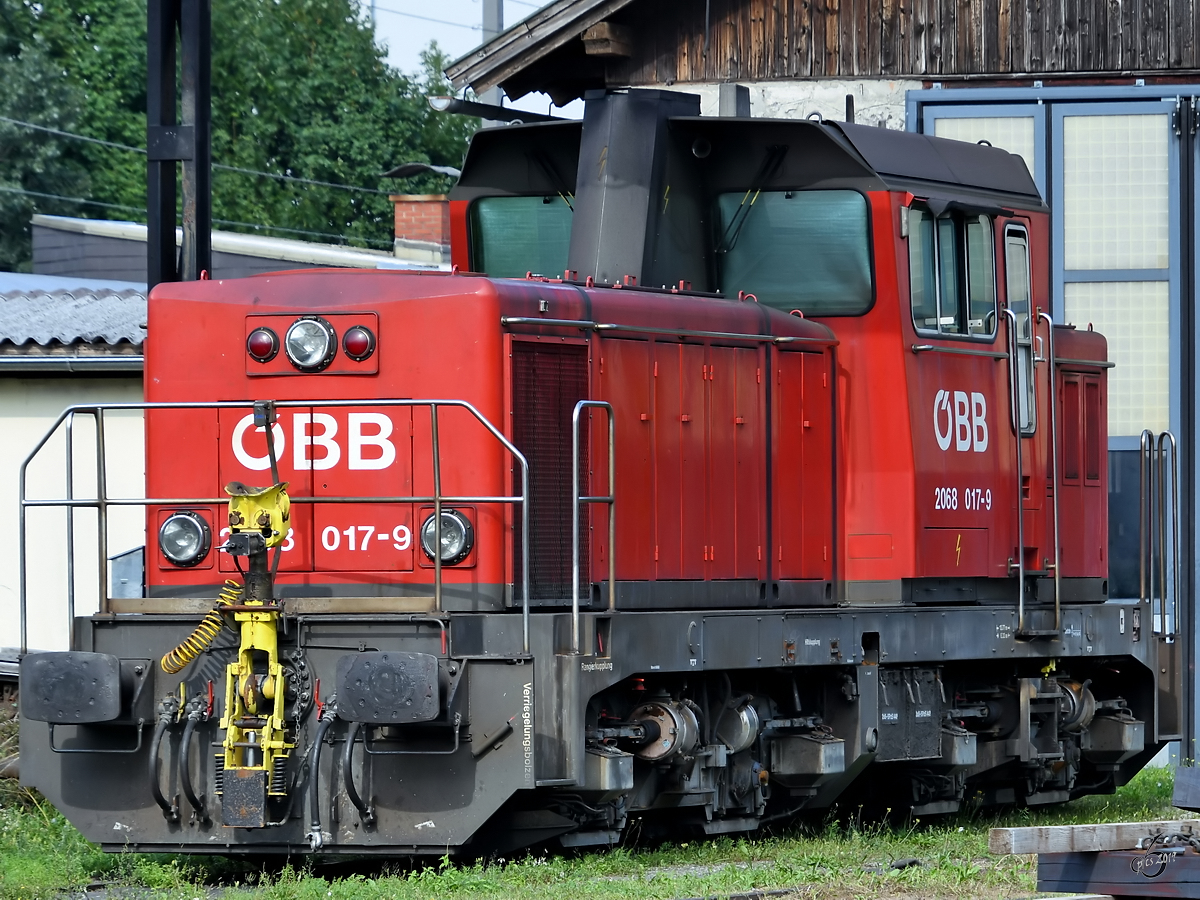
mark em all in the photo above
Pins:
pixel 791 614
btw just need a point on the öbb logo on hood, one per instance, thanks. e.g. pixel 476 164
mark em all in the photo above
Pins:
pixel 368 442
pixel 965 425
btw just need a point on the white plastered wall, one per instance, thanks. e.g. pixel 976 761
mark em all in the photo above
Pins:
pixel 28 407
pixel 876 102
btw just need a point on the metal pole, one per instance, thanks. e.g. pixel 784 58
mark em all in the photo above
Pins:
pixel 1014 394
pixel 524 549
pixel 577 499
pixel 21 548
pixel 195 31
pixel 70 431
pixel 1145 499
pixel 162 16
pixel 1054 465
pixel 102 510
pixel 493 24
pixel 1171 539
pixel 579 407
pixel 612 510
pixel 437 511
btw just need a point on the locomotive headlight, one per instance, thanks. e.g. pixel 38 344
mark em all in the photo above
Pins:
pixel 184 538
pixel 454 539
pixel 310 343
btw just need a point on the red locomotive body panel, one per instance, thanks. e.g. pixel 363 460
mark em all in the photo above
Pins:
pixel 691 431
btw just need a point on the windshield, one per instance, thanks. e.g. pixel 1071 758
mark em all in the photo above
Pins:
pixel 806 250
pixel 514 235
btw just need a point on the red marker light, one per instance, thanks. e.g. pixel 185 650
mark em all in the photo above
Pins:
pixel 262 344
pixel 359 343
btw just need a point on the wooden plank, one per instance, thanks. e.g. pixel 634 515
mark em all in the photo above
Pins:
pixel 904 15
pixel 935 38
pixel 1056 32
pixel 862 20
pixel 1193 60
pixel 1177 17
pixel 920 20
pixel 887 37
pixel 1005 36
pixel 1113 60
pixel 1099 35
pixel 991 50
pixel 1077 35
pixel 781 15
pixel 1083 838
pixel 1111 873
pixel 1129 34
pixel 1018 31
pixel 1155 50
pixel 804 39
pixel 847 64
pixel 817 50
pixel 832 10
pixel 874 32
pixel 754 46
pixel 961 60
pixel 1035 33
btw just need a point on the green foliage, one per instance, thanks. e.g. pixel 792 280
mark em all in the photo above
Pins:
pixel 299 88
pixel 40 855
pixel 33 90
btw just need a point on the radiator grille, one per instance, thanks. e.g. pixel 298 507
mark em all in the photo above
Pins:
pixel 547 383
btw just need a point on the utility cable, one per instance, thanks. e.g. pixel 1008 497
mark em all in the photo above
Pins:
pixel 409 15
pixel 289 178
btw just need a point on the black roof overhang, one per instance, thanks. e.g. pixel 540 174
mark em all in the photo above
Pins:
pixel 544 158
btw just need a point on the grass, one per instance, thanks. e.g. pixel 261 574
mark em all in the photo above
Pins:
pixel 41 855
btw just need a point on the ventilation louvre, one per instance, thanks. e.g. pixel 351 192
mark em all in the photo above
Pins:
pixel 547 383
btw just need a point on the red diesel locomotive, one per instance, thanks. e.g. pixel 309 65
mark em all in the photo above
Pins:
pixel 779 485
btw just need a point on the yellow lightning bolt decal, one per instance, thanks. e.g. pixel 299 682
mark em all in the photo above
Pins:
pixel 958 550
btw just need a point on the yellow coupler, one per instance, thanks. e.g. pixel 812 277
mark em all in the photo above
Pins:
pixel 255 746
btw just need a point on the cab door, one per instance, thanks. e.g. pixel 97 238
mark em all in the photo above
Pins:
pixel 958 400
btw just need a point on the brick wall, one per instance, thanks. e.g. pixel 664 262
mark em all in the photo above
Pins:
pixel 422 217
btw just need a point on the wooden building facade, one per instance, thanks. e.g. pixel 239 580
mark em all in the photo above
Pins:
pixel 759 40
pixel 696 41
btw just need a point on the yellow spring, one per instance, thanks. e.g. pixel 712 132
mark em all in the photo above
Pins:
pixel 210 626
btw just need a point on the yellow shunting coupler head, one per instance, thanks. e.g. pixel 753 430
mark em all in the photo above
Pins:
pixel 265 510
pixel 255 691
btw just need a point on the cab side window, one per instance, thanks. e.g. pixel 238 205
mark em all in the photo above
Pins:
pixel 952 273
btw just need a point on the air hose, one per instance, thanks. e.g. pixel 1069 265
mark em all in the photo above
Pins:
pixel 324 721
pixel 210 626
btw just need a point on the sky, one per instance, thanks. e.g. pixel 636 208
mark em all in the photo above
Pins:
pixel 405 28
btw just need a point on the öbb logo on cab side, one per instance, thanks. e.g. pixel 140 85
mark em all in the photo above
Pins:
pixel 965 426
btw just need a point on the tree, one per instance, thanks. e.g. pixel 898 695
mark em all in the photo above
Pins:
pixel 299 88
pixel 33 162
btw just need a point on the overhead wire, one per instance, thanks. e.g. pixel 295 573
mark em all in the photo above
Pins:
pixel 409 15
pixel 116 146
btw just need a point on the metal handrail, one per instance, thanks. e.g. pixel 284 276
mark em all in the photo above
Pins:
pixel 1051 369
pixel 1014 398
pixel 576 499
pixel 1152 528
pixel 101 502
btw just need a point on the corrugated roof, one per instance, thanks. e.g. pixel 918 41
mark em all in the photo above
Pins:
pixel 80 316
